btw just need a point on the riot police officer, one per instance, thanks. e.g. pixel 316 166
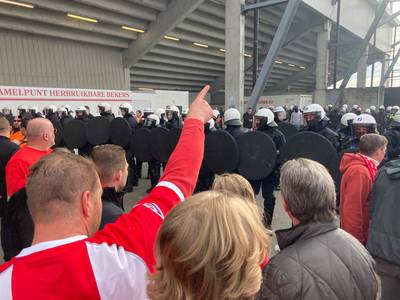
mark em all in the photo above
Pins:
pixel 7 112
pixel 63 116
pixel 316 120
pixel 34 110
pixel 152 121
pixel 217 119
pixel 160 112
pixel 81 114
pixel 264 122
pixel 393 137
pixel 233 124
pixel 345 135
pixel 22 109
pixel 105 111
pixel 361 125
pixel 173 117
pixel 127 113
pixel 279 114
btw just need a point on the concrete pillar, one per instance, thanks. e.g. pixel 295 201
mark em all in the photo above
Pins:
pixel 322 64
pixel 362 70
pixel 127 79
pixel 234 55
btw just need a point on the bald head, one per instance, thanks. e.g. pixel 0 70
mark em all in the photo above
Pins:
pixel 38 127
pixel 4 127
pixel 40 133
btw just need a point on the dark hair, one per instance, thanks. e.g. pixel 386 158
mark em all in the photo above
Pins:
pixel 371 142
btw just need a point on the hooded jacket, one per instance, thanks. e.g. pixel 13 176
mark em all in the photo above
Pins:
pixel 355 194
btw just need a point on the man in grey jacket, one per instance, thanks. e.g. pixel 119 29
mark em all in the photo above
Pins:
pixel 317 259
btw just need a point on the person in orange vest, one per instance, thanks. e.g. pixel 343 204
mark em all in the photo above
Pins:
pixel 16 135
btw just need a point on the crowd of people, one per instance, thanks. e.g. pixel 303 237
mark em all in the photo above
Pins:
pixel 197 235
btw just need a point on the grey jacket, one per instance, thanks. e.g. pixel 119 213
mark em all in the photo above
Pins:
pixel 383 239
pixel 319 261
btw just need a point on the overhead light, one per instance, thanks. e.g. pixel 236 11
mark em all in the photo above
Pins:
pixel 301 67
pixel 132 29
pixel 291 65
pixel 278 62
pixel 247 55
pixel 82 18
pixel 222 50
pixel 172 38
pixel 145 89
pixel 17 3
pixel 200 45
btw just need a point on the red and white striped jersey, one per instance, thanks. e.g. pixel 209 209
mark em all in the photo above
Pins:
pixel 113 264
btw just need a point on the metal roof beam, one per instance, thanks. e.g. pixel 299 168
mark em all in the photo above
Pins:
pixel 176 12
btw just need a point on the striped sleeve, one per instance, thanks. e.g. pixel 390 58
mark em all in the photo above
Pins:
pixel 136 231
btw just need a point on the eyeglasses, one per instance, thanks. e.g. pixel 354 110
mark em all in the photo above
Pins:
pixel 17 121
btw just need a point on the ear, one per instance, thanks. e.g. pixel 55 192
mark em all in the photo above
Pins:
pixel 86 203
pixel 118 176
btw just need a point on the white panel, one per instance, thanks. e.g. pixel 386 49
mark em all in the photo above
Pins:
pixel 31 60
pixel 119 274
pixel 5 284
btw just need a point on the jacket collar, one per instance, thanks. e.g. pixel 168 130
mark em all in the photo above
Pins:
pixel 301 232
pixel 110 195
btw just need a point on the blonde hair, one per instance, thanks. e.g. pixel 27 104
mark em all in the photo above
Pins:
pixel 211 246
pixel 236 184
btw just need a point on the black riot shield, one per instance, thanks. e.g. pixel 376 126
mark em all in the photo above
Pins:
pixel 287 129
pixel 309 145
pixel 98 131
pixel 158 144
pixel 120 132
pixel 257 155
pixel 172 139
pixel 140 144
pixel 221 152
pixel 74 135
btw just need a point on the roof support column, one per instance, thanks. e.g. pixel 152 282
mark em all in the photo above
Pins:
pixel 127 79
pixel 234 55
pixel 362 70
pixel 322 63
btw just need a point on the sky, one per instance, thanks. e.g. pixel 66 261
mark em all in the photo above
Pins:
pixel 378 66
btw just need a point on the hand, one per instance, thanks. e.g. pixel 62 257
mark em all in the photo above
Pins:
pixel 200 109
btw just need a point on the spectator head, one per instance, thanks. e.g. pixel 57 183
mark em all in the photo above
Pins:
pixel 308 191
pixel 373 145
pixel 111 166
pixel 138 114
pixel 249 110
pixel 5 127
pixel 211 246
pixel 40 134
pixel 64 189
pixel 16 126
pixel 235 184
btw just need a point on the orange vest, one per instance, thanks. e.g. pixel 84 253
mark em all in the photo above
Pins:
pixel 17 137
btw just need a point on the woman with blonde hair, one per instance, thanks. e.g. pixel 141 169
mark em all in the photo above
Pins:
pixel 211 246
pixel 236 184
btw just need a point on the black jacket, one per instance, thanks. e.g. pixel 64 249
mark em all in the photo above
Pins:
pixel 113 206
pixel 236 131
pixel 131 120
pixel 276 135
pixel 174 123
pixel 318 261
pixel 328 133
pixel 383 239
pixel 393 147
pixel 109 116
pixel 247 120
pixel 65 120
pixel 8 149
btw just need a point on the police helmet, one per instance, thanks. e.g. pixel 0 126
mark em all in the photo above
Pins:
pixel 232 117
pixel 347 119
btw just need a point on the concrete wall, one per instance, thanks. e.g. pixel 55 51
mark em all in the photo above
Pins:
pixel 365 97
pixel 32 60
pixel 356 17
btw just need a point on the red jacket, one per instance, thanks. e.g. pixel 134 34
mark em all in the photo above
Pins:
pixel 355 191
pixel 113 264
